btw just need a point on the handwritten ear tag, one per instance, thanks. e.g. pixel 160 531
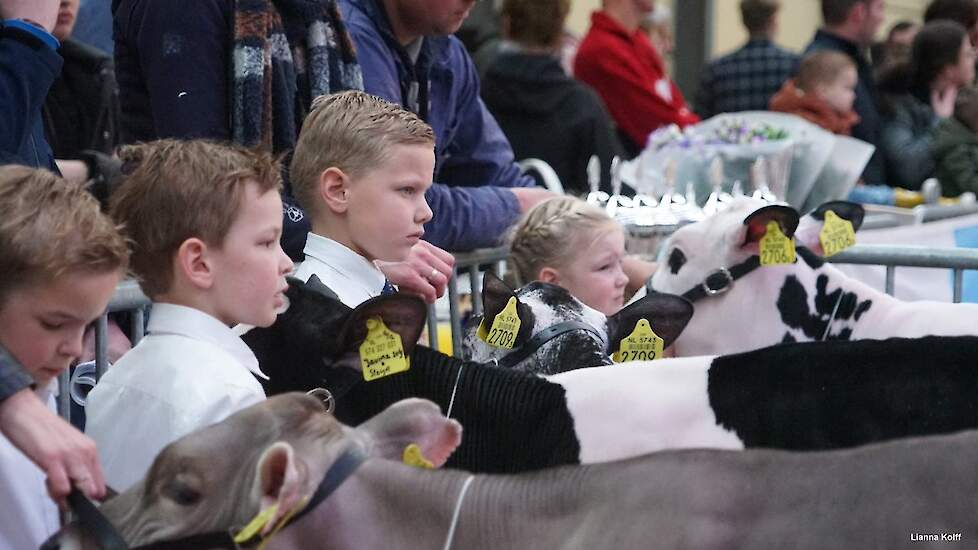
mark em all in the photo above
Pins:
pixel 504 329
pixel 413 457
pixel 776 248
pixel 641 345
pixel 837 234
pixel 381 353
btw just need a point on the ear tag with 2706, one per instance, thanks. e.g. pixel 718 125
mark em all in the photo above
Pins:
pixel 381 353
pixel 643 344
pixel 504 328
pixel 837 234
pixel 776 247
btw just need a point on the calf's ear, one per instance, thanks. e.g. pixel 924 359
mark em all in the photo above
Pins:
pixel 811 226
pixel 668 315
pixel 495 295
pixel 755 225
pixel 278 482
pixel 401 313
pixel 412 421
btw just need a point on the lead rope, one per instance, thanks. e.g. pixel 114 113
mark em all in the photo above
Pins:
pixel 458 509
pixel 832 318
pixel 451 402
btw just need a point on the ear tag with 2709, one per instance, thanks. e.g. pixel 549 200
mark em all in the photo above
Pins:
pixel 837 234
pixel 381 353
pixel 643 344
pixel 504 328
pixel 776 247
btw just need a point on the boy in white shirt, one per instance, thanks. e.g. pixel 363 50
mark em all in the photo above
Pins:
pixel 360 170
pixel 204 220
pixel 60 261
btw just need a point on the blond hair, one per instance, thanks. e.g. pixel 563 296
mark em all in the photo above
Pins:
pixel 549 234
pixel 823 68
pixel 176 190
pixel 50 228
pixel 352 131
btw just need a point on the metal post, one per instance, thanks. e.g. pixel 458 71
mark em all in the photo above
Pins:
pixel 432 327
pixel 64 395
pixel 137 324
pixel 958 284
pixel 891 279
pixel 475 283
pixel 454 316
pixel 101 345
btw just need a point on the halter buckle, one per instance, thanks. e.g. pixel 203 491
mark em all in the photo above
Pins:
pixel 724 284
pixel 326 396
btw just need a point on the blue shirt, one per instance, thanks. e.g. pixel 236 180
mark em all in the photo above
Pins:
pixel 474 161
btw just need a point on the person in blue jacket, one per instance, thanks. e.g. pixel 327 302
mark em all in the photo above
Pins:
pixel 29 64
pixel 408 56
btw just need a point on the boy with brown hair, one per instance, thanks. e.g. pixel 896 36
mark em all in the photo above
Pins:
pixel 823 92
pixel 60 261
pixel 204 220
pixel 360 171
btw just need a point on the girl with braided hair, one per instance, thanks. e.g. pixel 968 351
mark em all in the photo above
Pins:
pixel 573 244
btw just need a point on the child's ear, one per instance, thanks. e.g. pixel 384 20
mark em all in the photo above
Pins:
pixel 333 184
pixel 549 275
pixel 193 262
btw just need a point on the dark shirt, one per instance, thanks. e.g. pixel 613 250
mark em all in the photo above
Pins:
pixel 13 377
pixel 744 80
pixel 867 104
pixel 550 116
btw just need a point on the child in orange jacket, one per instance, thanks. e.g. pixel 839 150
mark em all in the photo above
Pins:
pixel 822 93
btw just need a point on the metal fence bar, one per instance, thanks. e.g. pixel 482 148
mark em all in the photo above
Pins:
pixel 432 327
pixel 454 316
pixel 101 346
pixel 890 256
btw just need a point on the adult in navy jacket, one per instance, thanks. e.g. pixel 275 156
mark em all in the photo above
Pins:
pixel 29 64
pixel 409 57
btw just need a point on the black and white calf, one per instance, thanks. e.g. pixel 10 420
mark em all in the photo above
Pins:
pixel 801 396
pixel 808 300
pixel 558 332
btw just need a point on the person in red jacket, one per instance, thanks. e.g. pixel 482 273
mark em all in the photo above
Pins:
pixel 617 59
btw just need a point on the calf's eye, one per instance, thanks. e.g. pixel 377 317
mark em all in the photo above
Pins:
pixel 182 494
pixel 676 260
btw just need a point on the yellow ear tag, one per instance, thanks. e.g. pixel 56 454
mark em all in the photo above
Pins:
pixel 641 345
pixel 413 457
pixel 381 353
pixel 504 329
pixel 776 248
pixel 837 234
pixel 256 525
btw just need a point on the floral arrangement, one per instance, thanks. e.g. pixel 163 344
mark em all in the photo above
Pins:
pixel 732 131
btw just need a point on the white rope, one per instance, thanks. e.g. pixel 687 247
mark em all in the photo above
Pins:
pixel 451 403
pixel 458 509
pixel 832 318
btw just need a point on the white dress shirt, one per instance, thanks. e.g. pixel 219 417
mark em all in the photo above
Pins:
pixel 190 371
pixel 351 276
pixel 28 516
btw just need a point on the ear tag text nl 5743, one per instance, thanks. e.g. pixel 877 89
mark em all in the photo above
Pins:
pixel 641 345
pixel 504 328
pixel 776 248
pixel 381 353
pixel 837 234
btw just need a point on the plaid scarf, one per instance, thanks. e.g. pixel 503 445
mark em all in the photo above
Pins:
pixel 285 54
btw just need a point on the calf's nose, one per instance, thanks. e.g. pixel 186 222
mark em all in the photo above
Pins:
pixel 51 544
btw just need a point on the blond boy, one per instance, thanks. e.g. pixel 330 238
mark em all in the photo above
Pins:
pixel 60 261
pixel 204 221
pixel 360 170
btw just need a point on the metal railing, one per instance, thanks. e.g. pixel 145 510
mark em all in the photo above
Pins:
pixel 958 260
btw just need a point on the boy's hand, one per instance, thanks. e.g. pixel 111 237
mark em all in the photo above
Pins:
pixel 425 272
pixel 65 454
pixel 42 12
pixel 942 101
pixel 638 272
pixel 529 197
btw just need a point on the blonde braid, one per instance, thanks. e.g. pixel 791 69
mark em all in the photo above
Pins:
pixel 547 233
